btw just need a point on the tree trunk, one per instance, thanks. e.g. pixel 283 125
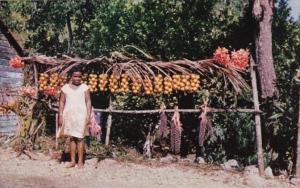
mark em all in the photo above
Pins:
pixel 263 12
pixel 70 33
pixel 298 142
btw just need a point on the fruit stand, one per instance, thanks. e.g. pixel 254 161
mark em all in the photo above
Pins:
pixel 122 75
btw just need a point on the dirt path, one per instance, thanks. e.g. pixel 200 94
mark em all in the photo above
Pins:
pixel 43 172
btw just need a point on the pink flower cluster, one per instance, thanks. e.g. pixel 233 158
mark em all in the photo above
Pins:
pixel 94 128
pixel 28 91
pixel 238 59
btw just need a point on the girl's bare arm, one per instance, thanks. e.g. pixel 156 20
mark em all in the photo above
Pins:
pixel 88 105
pixel 62 101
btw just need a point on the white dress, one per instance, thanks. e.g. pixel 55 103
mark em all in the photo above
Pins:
pixel 75 111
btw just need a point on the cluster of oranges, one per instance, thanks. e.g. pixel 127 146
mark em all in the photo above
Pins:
pixel 136 86
pixel 93 82
pixel 148 87
pixel 158 84
pixel 103 81
pixel 124 85
pixel 114 83
pixel 51 84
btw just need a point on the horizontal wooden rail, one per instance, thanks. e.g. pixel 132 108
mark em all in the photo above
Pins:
pixel 210 110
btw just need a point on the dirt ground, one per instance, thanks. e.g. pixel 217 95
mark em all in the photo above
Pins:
pixel 42 171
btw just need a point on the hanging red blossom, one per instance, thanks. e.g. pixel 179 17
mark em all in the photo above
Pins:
pixel 16 63
pixel 28 91
pixel 240 59
pixel 222 56
pixel 237 59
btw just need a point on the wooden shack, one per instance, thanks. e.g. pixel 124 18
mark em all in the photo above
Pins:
pixel 10 79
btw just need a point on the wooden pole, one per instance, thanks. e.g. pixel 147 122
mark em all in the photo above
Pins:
pixel 56 129
pixel 210 110
pixel 109 122
pixel 260 156
pixel 35 75
pixel 298 141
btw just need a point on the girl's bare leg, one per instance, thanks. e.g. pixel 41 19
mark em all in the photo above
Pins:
pixel 72 152
pixel 80 148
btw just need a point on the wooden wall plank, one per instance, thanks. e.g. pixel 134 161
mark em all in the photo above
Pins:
pixel 8 74
pixel 8 69
pixel 10 82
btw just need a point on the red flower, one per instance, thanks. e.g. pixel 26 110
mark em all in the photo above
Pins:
pixel 16 63
pixel 240 59
pixel 222 57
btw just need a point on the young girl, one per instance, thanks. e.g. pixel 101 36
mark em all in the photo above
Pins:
pixel 74 115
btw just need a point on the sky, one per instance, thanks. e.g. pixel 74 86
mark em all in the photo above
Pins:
pixel 295 5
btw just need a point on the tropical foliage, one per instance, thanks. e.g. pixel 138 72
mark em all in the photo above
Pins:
pixel 170 30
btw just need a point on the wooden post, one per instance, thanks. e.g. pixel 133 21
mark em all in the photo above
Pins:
pixel 35 75
pixel 298 141
pixel 56 129
pixel 260 155
pixel 109 122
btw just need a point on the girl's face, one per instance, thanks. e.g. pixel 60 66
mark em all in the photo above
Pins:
pixel 76 78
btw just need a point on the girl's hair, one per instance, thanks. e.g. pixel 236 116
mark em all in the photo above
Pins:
pixel 75 69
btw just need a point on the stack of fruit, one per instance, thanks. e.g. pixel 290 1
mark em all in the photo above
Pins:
pixel 62 80
pixel 195 82
pixel 54 80
pixel 168 87
pixel 113 83
pixel 185 83
pixel 148 88
pixel 43 81
pixel 93 82
pixel 136 86
pixel 176 80
pixel 103 80
pixel 124 84
pixel 158 84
